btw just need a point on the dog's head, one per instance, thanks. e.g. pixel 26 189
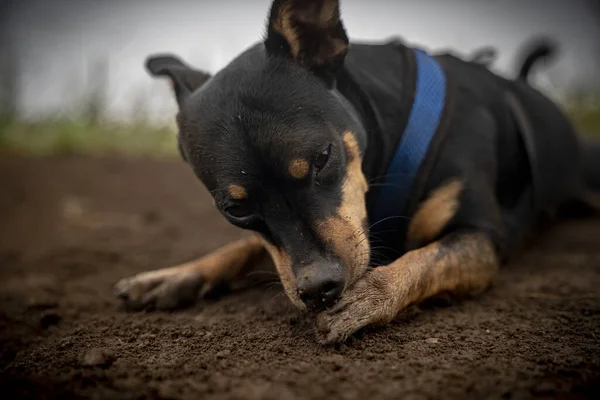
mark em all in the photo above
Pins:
pixel 280 150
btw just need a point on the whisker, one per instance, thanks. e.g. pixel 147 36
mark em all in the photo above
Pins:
pixel 381 177
pixel 363 239
pixel 262 282
pixel 387 219
pixel 371 185
pixel 377 235
pixel 276 296
pixel 380 221
pixel 261 272
pixel 386 248
pixel 273 284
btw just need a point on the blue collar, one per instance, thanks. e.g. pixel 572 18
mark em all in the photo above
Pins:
pixel 428 106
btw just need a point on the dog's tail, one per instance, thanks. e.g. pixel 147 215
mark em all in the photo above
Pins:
pixel 538 49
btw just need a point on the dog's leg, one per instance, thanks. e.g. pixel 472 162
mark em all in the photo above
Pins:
pixel 459 263
pixel 181 285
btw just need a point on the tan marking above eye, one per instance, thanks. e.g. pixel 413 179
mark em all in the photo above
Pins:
pixel 237 192
pixel 298 168
pixel 435 212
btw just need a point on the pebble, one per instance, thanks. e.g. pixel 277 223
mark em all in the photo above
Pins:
pixel 337 361
pixel 98 357
pixel 432 340
pixel 223 354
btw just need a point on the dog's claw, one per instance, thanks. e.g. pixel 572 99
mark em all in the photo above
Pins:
pixel 327 336
pixel 161 292
pixel 332 338
pixel 339 306
pixel 368 302
pixel 121 294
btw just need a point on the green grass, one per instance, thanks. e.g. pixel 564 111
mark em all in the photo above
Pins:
pixel 70 136
pixel 584 111
pixel 587 120
pixel 75 136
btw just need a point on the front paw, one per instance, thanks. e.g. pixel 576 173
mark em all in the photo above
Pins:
pixel 160 290
pixel 369 302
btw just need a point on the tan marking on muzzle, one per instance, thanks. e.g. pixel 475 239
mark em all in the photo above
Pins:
pixel 345 231
pixel 237 192
pixel 298 168
pixel 283 264
pixel 435 212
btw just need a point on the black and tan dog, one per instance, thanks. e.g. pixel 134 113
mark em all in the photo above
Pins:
pixel 375 176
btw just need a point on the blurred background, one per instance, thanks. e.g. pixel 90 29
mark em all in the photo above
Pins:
pixel 72 76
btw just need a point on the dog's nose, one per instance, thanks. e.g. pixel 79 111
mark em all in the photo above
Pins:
pixel 320 285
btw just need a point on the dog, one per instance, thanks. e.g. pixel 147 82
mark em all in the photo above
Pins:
pixel 374 176
pixel 485 56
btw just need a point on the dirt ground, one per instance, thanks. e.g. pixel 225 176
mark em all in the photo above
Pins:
pixel 71 227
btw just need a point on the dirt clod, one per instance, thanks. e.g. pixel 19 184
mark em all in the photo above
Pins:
pixel 98 357
pixel 223 354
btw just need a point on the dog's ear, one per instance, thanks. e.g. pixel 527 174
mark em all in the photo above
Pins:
pixel 484 56
pixel 184 79
pixel 310 32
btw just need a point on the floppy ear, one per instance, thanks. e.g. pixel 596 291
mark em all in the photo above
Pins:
pixel 184 79
pixel 309 32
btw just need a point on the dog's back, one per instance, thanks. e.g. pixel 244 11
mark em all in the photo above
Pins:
pixel 564 167
pixel 535 149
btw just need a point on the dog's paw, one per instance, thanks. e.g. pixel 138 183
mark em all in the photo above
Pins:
pixel 160 290
pixel 370 302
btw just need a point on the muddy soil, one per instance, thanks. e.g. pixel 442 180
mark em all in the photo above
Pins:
pixel 71 227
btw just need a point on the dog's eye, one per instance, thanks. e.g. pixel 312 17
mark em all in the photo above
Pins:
pixel 322 159
pixel 239 211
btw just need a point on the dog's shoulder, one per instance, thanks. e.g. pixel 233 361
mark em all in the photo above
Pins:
pixel 478 161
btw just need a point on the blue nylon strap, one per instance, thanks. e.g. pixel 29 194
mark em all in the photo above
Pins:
pixel 423 122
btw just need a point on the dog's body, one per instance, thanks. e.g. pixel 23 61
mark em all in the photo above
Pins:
pixel 289 135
